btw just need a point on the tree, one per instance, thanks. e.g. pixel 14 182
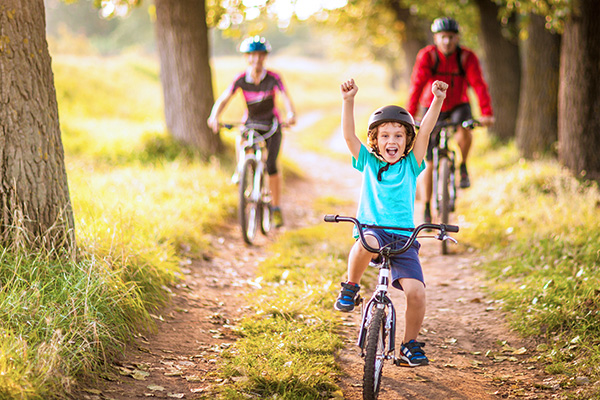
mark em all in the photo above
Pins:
pixel 579 99
pixel 503 70
pixel 182 42
pixel 35 204
pixel 537 124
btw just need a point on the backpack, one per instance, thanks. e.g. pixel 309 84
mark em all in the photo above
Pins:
pixel 436 62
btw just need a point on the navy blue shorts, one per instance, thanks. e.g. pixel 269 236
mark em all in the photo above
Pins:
pixel 405 265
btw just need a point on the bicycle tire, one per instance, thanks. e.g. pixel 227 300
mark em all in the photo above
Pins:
pixel 374 355
pixel 248 208
pixel 445 196
pixel 266 216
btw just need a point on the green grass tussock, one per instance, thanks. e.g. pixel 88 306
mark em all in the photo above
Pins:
pixel 287 347
pixel 52 311
pixel 540 228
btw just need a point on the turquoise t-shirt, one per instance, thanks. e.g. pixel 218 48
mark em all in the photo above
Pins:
pixel 391 201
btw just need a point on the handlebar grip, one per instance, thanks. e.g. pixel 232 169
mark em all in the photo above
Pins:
pixel 330 218
pixel 451 228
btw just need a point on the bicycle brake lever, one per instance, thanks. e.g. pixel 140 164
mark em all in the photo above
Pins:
pixel 450 238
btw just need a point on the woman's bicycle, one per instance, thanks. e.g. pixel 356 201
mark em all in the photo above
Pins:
pixel 252 178
pixel 444 171
pixel 377 333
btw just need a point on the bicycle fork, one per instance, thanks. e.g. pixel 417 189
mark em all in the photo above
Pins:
pixel 380 299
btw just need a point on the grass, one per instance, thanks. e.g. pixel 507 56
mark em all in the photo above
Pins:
pixel 141 205
pixel 287 344
pixel 540 230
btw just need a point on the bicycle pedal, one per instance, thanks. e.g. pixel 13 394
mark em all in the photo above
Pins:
pixel 358 300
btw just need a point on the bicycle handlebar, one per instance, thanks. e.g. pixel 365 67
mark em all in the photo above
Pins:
pixel 443 228
pixel 468 124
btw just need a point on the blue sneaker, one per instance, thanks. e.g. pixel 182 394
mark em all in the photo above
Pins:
pixel 347 298
pixel 412 354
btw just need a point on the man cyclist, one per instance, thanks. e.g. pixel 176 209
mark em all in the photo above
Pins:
pixel 259 87
pixel 459 67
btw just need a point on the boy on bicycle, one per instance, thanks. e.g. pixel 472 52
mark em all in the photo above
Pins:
pixel 390 166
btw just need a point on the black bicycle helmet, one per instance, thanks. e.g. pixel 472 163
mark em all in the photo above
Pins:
pixel 444 24
pixel 391 114
pixel 255 43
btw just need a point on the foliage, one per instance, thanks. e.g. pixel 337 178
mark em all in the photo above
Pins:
pixel 555 11
pixel 540 230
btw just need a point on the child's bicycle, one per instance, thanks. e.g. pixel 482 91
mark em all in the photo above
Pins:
pixel 444 171
pixel 377 333
pixel 252 178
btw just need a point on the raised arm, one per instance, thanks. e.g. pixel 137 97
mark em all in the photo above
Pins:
pixel 349 90
pixel 438 88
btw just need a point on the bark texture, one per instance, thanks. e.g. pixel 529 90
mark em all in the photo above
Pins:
pixel 34 196
pixel 503 70
pixel 537 123
pixel 579 93
pixel 182 42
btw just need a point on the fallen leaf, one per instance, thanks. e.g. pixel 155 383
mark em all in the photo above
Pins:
pixel 155 387
pixel 140 375
pixel 176 395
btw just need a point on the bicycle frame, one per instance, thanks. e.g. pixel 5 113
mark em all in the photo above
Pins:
pixel 444 191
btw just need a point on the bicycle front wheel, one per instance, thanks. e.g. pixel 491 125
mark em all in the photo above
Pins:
pixel 374 354
pixel 444 191
pixel 248 210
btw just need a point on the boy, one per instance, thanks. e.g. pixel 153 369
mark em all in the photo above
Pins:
pixel 390 169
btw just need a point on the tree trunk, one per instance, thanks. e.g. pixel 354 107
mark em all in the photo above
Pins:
pixel 579 98
pixel 182 42
pixel 503 70
pixel 537 123
pixel 35 205
pixel 414 35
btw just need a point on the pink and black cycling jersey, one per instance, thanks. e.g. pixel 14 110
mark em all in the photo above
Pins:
pixel 260 99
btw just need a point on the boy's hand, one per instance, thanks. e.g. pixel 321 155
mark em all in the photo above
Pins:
pixel 438 88
pixel 349 89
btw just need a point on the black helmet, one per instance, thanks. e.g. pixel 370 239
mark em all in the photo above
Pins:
pixel 444 24
pixel 391 114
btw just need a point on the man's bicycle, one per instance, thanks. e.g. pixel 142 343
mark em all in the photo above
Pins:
pixel 444 171
pixel 252 177
pixel 377 333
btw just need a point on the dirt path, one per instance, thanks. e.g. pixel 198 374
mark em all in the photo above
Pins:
pixel 473 355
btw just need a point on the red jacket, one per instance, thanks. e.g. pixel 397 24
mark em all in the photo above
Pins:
pixel 447 71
